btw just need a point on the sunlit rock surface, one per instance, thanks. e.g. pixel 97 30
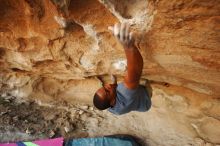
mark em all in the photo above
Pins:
pixel 51 54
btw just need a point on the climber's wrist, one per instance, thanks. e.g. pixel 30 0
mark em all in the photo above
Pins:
pixel 130 47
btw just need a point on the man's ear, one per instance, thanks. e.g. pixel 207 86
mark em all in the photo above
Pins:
pixel 113 78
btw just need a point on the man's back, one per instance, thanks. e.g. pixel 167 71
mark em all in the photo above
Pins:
pixel 131 100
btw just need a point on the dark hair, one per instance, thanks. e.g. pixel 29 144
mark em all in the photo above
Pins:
pixel 101 103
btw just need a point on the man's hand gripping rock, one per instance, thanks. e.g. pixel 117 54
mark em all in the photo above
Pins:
pixel 123 34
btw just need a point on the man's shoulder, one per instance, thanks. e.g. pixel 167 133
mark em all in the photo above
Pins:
pixel 124 91
pixel 121 87
pixel 130 100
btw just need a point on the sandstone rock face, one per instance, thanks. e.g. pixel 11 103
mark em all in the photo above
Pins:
pixel 52 54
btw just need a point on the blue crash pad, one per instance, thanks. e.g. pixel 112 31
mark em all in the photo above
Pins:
pixel 102 141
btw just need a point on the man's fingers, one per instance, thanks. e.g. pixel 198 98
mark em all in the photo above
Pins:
pixel 127 32
pixel 111 28
pixel 130 36
pixel 122 32
pixel 116 30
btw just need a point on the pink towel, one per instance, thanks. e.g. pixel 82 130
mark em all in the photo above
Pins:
pixel 47 142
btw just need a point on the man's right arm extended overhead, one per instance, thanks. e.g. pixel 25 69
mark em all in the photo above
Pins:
pixel 134 58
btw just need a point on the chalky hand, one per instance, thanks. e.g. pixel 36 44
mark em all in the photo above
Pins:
pixel 123 34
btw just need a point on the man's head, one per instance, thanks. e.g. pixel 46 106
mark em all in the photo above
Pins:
pixel 105 97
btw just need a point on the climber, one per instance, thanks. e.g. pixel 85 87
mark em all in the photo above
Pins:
pixel 129 95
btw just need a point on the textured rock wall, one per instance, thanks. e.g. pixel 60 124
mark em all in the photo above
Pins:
pixel 52 55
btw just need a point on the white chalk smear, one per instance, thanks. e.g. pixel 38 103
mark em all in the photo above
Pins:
pixel 86 63
pixel 61 21
pixel 89 29
pixel 120 64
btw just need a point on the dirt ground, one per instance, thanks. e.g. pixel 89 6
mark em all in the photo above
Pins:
pixel 160 126
pixel 30 121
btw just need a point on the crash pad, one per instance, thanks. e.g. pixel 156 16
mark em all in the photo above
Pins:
pixel 103 141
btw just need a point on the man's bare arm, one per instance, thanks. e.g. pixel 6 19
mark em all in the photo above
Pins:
pixel 134 67
pixel 134 58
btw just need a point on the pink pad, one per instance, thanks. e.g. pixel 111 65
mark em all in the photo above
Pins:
pixel 48 142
